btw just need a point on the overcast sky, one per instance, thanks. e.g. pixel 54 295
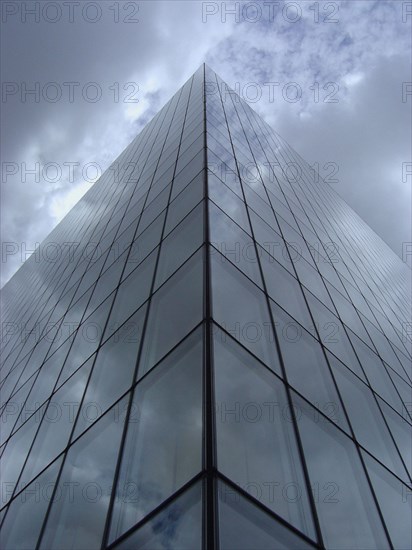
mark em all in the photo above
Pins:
pixel 330 77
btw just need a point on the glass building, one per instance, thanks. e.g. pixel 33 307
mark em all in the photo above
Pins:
pixel 211 350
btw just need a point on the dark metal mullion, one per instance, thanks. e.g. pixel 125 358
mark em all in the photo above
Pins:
pixel 210 514
pixel 282 366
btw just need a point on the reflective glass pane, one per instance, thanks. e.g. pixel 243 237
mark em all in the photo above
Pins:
pixel 255 440
pixel 15 453
pixel 77 517
pixel 113 371
pixel 285 290
pixel 57 424
pixel 178 526
pixel 175 309
pixel 180 244
pixel 25 516
pixel 233 243
pixel 241 309
pixel 306 367
pixel 132 293
pixel 163 444
pixel 366 418
pixel 346 511
pixel 243 526
pixel 394 501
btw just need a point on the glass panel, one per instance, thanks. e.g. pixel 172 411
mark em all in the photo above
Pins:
pixel 87 340
pixel 394 501
pixel 132 293
pixel 366 418
pixel 57 424
pixel 241 309
pixel 185 201
pixel 233 243
pixel 180 244
pixel 270 241
pixel 112 372
pixel 348 313
pixel 78 515
pixel 175 309
pixel 16 451
pixel 178 526
pixel 143 245
pixel 376 373
pixel 401 432
pixel 243 526
pixel 255 440
pixel 332 333
pixel 285 290
pixel 228 201
pixel 306 367
pixel 163 445
pixel 347 513
pixel 25 516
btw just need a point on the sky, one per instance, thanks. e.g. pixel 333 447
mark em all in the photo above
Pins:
pixel 81 79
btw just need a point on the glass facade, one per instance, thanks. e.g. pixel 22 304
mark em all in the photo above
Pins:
pixel 211 350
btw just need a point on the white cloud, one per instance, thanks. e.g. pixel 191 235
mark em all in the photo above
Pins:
pixel 164 49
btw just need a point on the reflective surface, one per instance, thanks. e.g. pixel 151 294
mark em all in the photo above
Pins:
pixel 222 359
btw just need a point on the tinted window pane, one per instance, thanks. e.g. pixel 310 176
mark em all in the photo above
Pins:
pixel 332 333
pixel 57 424
pixel 77 521
pixel 366 418
pixel 15 453
pixel 112 372
pixel 132 293
pixel 285 290
pixel 175 309
pixel 306 367
pixel 184 202
pixel 163 445
pixel 241 309
pixel 228 201
pixel 233 243
pixel 180 244
pixel 255 440
pixel 243 526
pixel 394 501
pixel 347 513
pixel 25 516
pixel 178 526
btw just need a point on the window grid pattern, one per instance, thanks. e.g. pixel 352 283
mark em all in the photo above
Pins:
pixel 232 328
